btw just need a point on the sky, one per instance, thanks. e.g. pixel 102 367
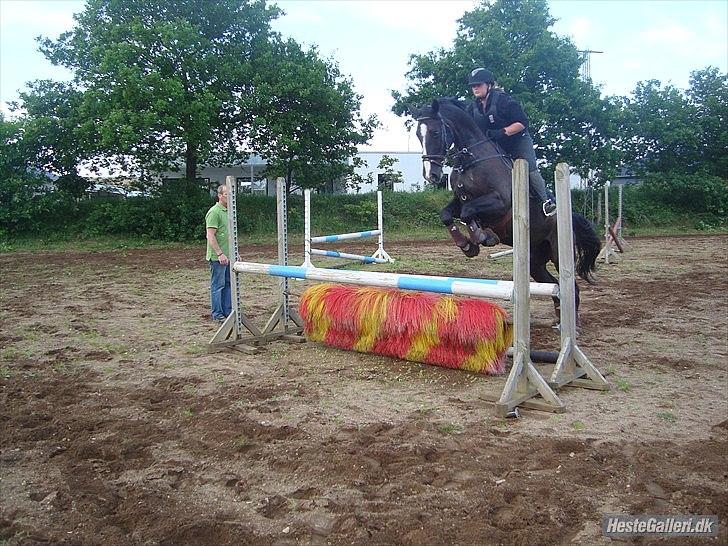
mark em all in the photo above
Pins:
pixel 372 40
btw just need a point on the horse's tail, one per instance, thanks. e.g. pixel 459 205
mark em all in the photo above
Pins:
pixel 588 245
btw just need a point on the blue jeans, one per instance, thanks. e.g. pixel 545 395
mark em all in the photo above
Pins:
pixel 220 299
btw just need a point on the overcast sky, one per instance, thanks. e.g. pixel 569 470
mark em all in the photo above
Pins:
pixel 372 41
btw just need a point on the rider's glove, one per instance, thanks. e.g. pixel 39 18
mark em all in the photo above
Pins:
pixel 496 134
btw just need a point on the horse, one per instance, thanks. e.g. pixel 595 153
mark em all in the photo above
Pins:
pixel 481 180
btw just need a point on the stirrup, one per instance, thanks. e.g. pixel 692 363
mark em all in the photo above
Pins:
pixel 546 204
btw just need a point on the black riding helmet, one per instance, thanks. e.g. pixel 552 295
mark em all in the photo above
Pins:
pixel 481 75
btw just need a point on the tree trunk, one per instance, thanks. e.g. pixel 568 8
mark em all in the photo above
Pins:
pixel 289 180
pixel 190 169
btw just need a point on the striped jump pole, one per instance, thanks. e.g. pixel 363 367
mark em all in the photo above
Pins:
pixel 483 288
pixel 347 256
pixel 379 257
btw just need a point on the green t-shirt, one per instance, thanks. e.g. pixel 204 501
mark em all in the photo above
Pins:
pixel 217 218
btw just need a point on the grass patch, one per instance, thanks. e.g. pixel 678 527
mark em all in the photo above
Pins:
pixel 450 428
pixel 667 416
pixel 622 385
pixel 241 442
pixel 578 425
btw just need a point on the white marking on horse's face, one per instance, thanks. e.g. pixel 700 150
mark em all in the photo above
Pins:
pixel 426 166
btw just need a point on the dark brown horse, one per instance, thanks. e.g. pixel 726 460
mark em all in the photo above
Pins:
pixel 481 181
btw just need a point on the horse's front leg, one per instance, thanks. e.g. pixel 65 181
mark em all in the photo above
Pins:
pixel 447 215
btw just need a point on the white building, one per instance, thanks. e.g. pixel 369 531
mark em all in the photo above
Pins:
pixel 408 163
pixel 251 176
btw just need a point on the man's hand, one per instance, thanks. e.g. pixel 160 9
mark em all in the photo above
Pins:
pixel 496 134
pixel 223 259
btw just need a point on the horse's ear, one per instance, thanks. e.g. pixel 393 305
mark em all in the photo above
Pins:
pixel 435 106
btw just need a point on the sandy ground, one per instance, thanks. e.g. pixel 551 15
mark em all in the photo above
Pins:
pixel 117 426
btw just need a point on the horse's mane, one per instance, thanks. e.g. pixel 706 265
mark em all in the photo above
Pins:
pixel 454 101
pixel 458 112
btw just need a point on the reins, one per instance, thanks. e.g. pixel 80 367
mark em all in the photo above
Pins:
pixel 459 155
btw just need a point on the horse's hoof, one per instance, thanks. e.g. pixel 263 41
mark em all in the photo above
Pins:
pixel 471 251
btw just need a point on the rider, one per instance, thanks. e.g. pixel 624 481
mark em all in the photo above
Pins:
pixel 502 119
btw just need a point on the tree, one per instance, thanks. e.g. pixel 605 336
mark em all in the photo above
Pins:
pixel 660 130
pixel 164 80
pixel 353 179
pixel 389 176
pixel 307 120
pixel 56 132
pixel 568 119
pixel 20 182
pixel 708 93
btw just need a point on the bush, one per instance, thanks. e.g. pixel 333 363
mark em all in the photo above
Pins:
pixel 700 193
pixel 695 201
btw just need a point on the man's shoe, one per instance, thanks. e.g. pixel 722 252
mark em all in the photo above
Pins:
pixel 219 319
pixel 549 208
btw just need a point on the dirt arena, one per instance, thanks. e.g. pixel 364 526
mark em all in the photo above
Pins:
pixel 117 426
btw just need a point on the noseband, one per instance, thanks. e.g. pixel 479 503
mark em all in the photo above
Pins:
pixel 439 159
pixel 460 156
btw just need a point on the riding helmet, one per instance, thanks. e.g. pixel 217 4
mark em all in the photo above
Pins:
pixel 481 75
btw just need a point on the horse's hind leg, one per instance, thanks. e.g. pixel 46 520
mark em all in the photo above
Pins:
pixel 540 256
pixel 557 303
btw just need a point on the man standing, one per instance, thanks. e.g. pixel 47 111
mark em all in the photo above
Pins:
pixel 216 223
pixel 502 119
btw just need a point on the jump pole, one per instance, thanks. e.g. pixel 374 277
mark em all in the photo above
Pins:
pixel 501 254
pixel 284 323
pixel 380 256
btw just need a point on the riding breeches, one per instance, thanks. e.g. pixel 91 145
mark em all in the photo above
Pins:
pixel 522 147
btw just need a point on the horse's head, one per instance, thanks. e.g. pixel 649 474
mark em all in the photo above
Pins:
pixel 436 138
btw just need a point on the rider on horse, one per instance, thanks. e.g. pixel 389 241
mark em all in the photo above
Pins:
pixel 502 119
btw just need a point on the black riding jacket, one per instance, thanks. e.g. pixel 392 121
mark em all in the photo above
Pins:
pixel 500 110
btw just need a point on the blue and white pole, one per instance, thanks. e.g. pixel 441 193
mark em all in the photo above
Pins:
pixel 483 288
pixel 379 257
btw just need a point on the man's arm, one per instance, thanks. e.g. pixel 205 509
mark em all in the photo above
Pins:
pixel 211 231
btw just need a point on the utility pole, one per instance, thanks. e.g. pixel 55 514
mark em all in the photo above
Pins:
pixel 585 69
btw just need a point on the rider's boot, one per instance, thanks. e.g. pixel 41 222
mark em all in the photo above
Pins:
pixel 538 185
pixel 469 249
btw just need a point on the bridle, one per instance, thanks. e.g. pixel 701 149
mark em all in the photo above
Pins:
pixel 439 159
pixel 459 157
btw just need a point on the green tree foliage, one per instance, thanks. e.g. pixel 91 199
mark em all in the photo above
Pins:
pixel 56 133
pixel 353 179
pixel 658 130
pixel 24 202
pixel 708 92
pixel 568 119
pixel 666 130
pixel 307 121
pixel 163 80
pixel 207 83
pixel 390 175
